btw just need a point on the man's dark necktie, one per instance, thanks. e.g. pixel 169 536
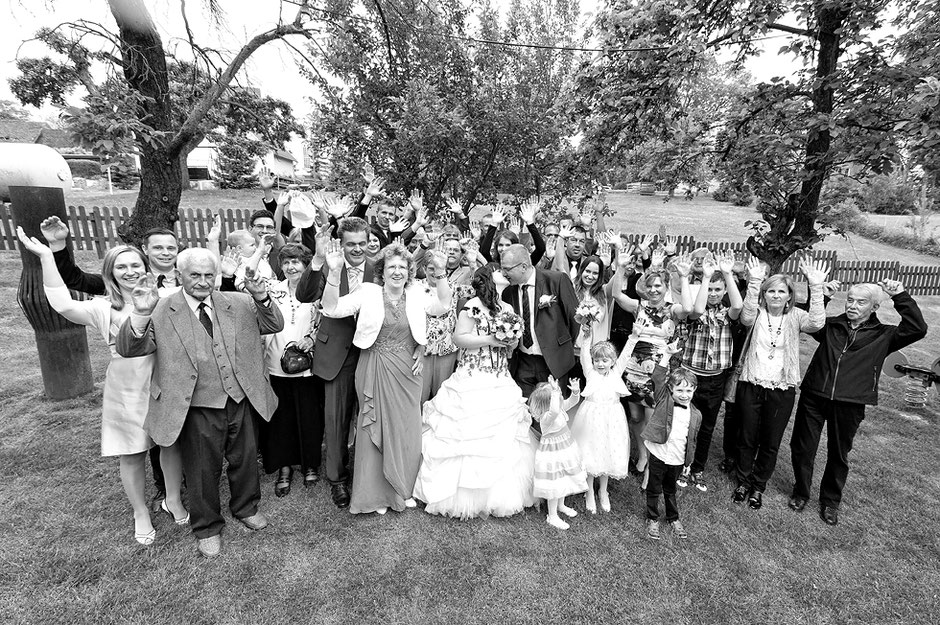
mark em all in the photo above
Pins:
pixel 526 330
pixel 160 280
pixel 204 319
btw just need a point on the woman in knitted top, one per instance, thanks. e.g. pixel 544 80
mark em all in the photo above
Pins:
pixel 770 369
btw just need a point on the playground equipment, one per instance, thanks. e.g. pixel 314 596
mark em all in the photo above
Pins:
pixel 34 179
pixel 919 379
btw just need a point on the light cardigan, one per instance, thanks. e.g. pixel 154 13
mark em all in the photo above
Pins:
pixel 794 322
pixel 367 301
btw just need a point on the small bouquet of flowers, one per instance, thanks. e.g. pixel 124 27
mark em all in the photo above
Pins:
pixel 507 326
pixel 587 312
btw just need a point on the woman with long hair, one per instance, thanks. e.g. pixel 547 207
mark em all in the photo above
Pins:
pixel 126 394
pixel 770 369
pixel 391 331
pixel 478 452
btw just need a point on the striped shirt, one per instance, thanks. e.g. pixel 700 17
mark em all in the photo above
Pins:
pixel 709 343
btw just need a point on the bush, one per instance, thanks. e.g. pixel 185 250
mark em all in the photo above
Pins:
pixel 84 168
pixel 887 195
pixel 841 217
pixel 738 193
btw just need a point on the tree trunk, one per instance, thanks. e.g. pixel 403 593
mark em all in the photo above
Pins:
pixel 794 227
pixel 146 72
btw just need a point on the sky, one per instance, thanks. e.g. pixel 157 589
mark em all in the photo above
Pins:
pixel 272 68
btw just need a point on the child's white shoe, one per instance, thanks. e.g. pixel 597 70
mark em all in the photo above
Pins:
pixel 567 511
pixel 554 521
pixel 605 501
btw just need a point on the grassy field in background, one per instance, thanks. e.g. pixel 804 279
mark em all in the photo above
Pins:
pixel 68 554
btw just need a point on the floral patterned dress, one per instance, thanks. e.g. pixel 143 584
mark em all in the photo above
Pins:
pixel 478 451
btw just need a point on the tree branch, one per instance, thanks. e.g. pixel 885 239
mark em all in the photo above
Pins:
pixel 793 30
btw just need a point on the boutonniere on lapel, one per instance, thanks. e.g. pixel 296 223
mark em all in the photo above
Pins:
pixel 547 300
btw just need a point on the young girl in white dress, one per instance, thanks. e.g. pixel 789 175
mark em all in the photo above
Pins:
pixel 600 427
pixel 558 468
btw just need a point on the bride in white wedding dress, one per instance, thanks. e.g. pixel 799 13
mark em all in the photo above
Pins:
pixel 477 447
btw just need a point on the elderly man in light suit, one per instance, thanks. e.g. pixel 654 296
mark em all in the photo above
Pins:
pixel 209 377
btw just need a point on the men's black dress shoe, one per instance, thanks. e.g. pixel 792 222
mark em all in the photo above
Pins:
pixel 829 514
pixel 740 494
pixel 340 495
pixel 797 503
pixel 156 500
pixel 755 500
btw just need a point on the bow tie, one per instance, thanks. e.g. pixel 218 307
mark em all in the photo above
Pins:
pixel 677 405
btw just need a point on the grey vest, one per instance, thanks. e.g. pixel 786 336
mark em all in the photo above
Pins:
pixel 215 381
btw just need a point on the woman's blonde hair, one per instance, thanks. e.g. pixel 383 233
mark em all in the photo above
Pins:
pixel 111 287
pixel 776 280
pixel 392 250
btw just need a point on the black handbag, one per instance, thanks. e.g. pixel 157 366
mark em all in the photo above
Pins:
pixel 294 359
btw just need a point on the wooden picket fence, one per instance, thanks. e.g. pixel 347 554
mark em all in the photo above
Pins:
pixel 95 229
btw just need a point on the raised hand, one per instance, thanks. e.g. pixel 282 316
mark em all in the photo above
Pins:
pixel 32 244
pixel 228 264
pixel 334 255
pixel 421 219
pixel 528 210
pixel 710 266
pixel 612 239
pixel 662 232
pixel 375 187
pixel 145 294
pixel 891 287
pixel 266 181
pixel 684 265
pixel 475 229
pixel 55 232
pixel 603 250
pixel 586 217
pixel 471 251
pixel 398 225
pixel 255 285
pixel 453 206
pixel 574 385
pixel 283 200
pixel 318 200
pixel 815 272
pixel 658 257
pixel 339 207
pixel 322 241
pixel 215 232
pixel 368 173
pixel 672 243
pixel 726 262
pixel 565 232
pixel 756 270
pixel 416 201
pixel 672 348
pixel 640 325
pixel 831 287
pixel 499 215
pixel 514 225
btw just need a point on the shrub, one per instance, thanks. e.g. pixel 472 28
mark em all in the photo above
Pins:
pixel 85 168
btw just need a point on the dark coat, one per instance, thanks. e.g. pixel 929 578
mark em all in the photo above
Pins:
pixel 847 364
pixel 660 424
pixel 555 327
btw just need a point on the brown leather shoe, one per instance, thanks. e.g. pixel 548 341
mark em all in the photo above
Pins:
pixel 256 522
pixel 210 547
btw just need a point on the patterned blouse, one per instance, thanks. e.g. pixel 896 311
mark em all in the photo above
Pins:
pixel 441 328
pixel 486 359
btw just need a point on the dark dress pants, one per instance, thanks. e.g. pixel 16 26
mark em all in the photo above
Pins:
pixel 208 436
pixel 662 481
pixel 764 415
pixel 842 420
pixel 707 398
pixel 729 441
pixel 158 480
pixel 339 407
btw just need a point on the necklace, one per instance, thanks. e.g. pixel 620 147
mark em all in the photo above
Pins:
pixel 774 337
pixel 394 306
pixel 291 302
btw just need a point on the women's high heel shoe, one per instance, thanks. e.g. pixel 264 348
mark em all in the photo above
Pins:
pixel 165 508
pixel 146 539
pixel 282 485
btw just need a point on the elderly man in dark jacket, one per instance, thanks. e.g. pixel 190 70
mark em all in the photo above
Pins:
pixel 840 381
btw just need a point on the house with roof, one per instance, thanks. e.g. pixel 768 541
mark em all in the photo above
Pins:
pixel 202 164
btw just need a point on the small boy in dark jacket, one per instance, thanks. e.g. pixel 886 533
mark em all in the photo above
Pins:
pixel 670 438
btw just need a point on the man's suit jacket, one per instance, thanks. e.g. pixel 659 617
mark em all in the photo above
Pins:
pixel 169 334
pixel 334 336
pixel 555 327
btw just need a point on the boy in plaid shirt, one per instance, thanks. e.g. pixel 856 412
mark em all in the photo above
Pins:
pixel 707 353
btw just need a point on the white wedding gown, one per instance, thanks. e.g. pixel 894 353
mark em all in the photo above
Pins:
pixel 478 451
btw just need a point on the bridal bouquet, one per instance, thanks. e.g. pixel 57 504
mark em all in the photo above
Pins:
pixel 587 312
pixel 507 326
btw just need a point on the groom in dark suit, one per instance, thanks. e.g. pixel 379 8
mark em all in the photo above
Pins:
pixel 546 301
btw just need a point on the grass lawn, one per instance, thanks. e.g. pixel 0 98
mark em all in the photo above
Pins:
pixel 68 554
